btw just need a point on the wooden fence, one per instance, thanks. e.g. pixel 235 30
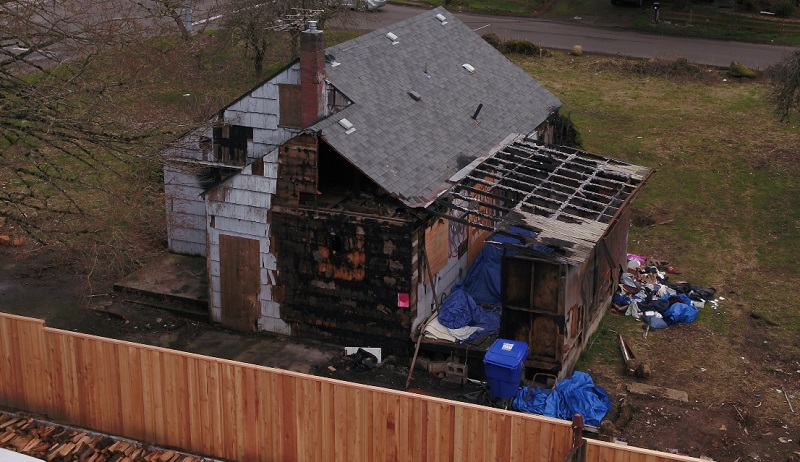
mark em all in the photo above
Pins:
pixel 231 410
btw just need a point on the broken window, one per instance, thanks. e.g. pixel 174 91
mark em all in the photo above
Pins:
pixel 230 143
pixel 336 100
pixel 289 103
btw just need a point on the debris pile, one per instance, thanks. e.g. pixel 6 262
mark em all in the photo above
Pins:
pixel 34 438
pixel 646 294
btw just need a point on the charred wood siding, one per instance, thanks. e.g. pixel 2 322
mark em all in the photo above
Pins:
pixel 298 170
pixel 340 276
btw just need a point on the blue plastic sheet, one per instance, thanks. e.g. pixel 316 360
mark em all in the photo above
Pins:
pixel 460 310
pixel 681 312
pixel 575 395
pixel 483 279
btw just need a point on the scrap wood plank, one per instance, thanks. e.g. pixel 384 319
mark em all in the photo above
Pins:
pixel 8 437
pixel 66 449
pixel 53 452
pixel 32 444
pixel 21 441
pixel 9 422
pixel 26 424
pixel 86 455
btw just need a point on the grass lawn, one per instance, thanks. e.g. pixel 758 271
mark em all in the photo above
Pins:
pixel 722 207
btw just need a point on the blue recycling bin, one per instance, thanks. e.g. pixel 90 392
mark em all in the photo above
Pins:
pixel 503 363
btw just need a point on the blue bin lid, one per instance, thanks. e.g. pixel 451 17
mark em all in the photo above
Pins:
pixel 504 352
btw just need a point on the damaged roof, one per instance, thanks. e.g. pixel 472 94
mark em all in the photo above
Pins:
pixel 568 198
pixel 430 97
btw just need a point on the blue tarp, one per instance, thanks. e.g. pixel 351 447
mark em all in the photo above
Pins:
pixel 483 279
pixel 575 395
pixel 460 310
pixel 680 312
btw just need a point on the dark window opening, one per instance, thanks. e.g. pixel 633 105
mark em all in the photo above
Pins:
pixel 341 185
pixel 336 244
pixel 337 174
pixel 230 143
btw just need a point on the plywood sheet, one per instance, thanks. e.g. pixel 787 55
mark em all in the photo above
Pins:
pixel 239 281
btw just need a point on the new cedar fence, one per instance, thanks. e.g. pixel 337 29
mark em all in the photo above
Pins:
pixel 230 410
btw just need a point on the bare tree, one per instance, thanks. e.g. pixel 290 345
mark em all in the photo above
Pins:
pixel 786 85
pixel 65 144
pixel 261 25
pixel 253 23
pixel 188 17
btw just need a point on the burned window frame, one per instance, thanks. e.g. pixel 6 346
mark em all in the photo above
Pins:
pixel 230 143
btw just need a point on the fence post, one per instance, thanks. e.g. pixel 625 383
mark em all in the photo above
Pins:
pixel 690 15
pixel 577 452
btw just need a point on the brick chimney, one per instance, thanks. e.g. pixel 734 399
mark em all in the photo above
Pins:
pixel 312 75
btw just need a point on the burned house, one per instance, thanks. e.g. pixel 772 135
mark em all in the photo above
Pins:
pixel 342 198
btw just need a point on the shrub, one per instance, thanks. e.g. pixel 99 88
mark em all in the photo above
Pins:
pixel 740 70
pixel 493 40
pixel 785 78
pixel 783 8
pixel 521 47
pixel 680 68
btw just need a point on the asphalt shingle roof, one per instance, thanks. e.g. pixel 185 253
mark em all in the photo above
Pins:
pixel 411 148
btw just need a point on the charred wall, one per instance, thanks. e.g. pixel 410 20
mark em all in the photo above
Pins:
pixel 341 277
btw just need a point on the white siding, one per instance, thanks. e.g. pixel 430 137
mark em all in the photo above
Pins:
pixel 261 111
pixel 239 208
pixel 244 200
pixel 186 212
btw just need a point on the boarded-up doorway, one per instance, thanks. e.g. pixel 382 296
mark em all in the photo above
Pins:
pixel 239 282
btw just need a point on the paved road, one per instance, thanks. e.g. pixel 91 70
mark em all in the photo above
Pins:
pixel 558 35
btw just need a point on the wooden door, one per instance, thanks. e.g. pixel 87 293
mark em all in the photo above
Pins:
pixel 239 282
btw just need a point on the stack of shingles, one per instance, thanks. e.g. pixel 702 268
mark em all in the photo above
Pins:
pixel 54 443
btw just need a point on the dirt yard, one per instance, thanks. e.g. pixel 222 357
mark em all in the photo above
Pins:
pixel 736 409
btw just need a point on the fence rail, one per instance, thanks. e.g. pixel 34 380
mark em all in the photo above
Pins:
pixel 230 410
pixel 734 22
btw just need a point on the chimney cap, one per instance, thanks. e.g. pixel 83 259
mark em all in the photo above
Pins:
pixel 312 28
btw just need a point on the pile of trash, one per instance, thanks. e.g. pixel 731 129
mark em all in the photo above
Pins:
pixel 646 294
